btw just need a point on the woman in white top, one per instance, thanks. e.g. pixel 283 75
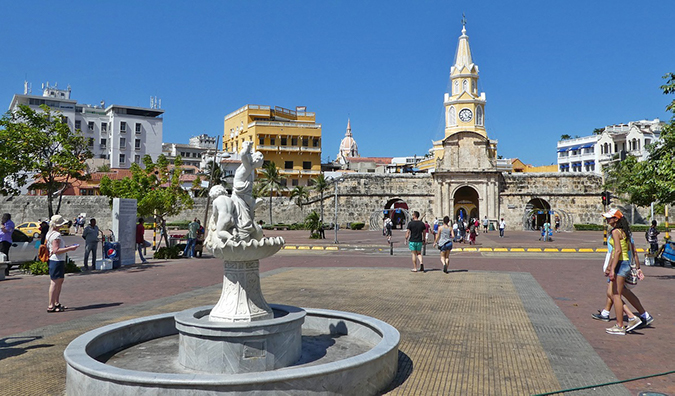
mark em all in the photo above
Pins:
pixel 57 262
pixel 444 242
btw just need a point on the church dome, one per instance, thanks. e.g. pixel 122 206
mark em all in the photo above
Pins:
pixel 348 146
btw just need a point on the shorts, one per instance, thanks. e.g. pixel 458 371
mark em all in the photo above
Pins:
pixel 622 268
pixel 447 246
pixel 57 269
pixel 415 246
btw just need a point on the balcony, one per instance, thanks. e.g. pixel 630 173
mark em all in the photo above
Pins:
pixel 266 147
pixel 289 171
pixel 311 149
pixel 289 148
pixel 309 172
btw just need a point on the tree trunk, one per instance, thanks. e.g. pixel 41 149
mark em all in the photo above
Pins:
pixel 271 192
pixel 321 208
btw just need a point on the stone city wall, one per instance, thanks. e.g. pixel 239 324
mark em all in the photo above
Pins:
pixel 576 197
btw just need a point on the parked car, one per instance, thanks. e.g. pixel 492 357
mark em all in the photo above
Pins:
pixel 23 248
pixel 30 228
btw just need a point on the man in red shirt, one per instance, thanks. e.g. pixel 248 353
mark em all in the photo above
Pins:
pixel 140 239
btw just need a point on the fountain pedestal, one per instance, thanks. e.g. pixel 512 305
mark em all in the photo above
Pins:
pixel 241 299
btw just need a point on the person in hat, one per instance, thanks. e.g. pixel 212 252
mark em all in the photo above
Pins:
pixel 57 262
pixel 621 247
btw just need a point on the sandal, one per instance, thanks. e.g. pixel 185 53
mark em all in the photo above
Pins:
pixel 54 309
pixel 61 307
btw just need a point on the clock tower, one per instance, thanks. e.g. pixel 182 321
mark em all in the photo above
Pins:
pixel 464 107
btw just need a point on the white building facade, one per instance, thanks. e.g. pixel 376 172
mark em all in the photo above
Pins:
pixel 118 135
pixel 592 153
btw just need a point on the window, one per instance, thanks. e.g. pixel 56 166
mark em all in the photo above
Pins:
pixel 103 143
pixel 138 128
pixel 294 182
pixel 104 127
pixel 288 165
pixel 90 125
pixel 273 141
pixel 91 142
pixel 137 144
pixel 284 141
pixel 261 140
pixel 465 85
pixel 123 158
pixel 78 124
pixel 137 159
pixel 123 127
pixel 456 88
pixel 283 183
pixel 315 143
pixel 305 142
pixel 123 143
pixel 452 116
pixel 306 165
pixel 479 115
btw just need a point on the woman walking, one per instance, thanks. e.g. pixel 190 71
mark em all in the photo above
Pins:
pixel 57 262
pixel 619 268
pixel 444 242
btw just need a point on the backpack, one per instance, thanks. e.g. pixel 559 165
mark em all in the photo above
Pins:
pixel 43 253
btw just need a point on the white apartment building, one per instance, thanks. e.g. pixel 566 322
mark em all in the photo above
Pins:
pixel 195 153
pixel 118 135
pixel 592 153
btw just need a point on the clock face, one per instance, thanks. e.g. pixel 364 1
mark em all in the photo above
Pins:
pixel 465 115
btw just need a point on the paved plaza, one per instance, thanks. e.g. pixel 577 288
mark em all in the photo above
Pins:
pixel 508 320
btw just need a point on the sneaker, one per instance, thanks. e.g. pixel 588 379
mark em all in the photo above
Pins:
pixel 599 316
pixel 633 323
pixel 647 321
pixel 616 330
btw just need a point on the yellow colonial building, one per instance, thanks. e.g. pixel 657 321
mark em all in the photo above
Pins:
pixel 289 138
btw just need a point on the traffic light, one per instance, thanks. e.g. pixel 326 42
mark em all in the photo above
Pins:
pixel 604 198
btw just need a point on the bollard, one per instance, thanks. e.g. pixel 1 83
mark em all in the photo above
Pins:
pixel 154 236
pixel 391 248
pixel 424 248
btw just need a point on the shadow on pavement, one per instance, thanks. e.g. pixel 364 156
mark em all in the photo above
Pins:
pixel 405 368
pixel 94 306
pixel 7 348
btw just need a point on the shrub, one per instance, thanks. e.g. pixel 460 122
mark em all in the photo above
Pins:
pixel 168 252
pixel 181 225
pixel 40 268
pixel 297 226
pixel 315 235
pixel 357 226
pixel 589 227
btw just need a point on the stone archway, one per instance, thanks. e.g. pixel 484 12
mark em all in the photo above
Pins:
pixel 397 210
pixel 537 212
pixel 466 203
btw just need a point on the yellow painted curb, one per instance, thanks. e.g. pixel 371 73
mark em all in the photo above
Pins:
pixel 551 250
pixel 517 249
pixel 602 250
pixel 567 250
pixel 586 250
pixel 290 247
pixel 470 249
pixel 485 249
pixel 333 248
pixel 500 250
pixel 317 247
pixel 303 247
pixel 533 249
pixel 640 250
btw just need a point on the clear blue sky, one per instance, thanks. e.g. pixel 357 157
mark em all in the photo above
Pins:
pixel 547 68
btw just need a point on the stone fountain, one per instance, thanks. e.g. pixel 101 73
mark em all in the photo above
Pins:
pixel 242 345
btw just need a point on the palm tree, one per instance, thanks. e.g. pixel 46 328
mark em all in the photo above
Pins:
pixel 313 223
pixel 270 180
pixel 300 193
pixel 320 184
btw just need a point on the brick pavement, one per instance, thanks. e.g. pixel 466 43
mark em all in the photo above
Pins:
pixel 569 282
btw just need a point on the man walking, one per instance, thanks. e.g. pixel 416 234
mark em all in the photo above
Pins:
pixel 193 230
pixel 140 239
pixel 486 223
pixel 90 235
pixel 416 236
pixel 502 226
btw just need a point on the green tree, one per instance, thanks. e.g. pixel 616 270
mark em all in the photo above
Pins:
pixel 644 182
pixel 313 224
pixel 320 184
pixel 270 181
pixel 40 144
pixel 598 131
pixel 156 189
pixel 565 137
pixel 300 193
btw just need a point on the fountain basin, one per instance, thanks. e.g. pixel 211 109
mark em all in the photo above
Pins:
pixel 366 373
pixel 240 347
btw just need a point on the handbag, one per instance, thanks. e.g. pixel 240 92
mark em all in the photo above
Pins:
pixel 632 278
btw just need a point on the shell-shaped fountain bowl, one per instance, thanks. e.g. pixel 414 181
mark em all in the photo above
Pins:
pixel 247 250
